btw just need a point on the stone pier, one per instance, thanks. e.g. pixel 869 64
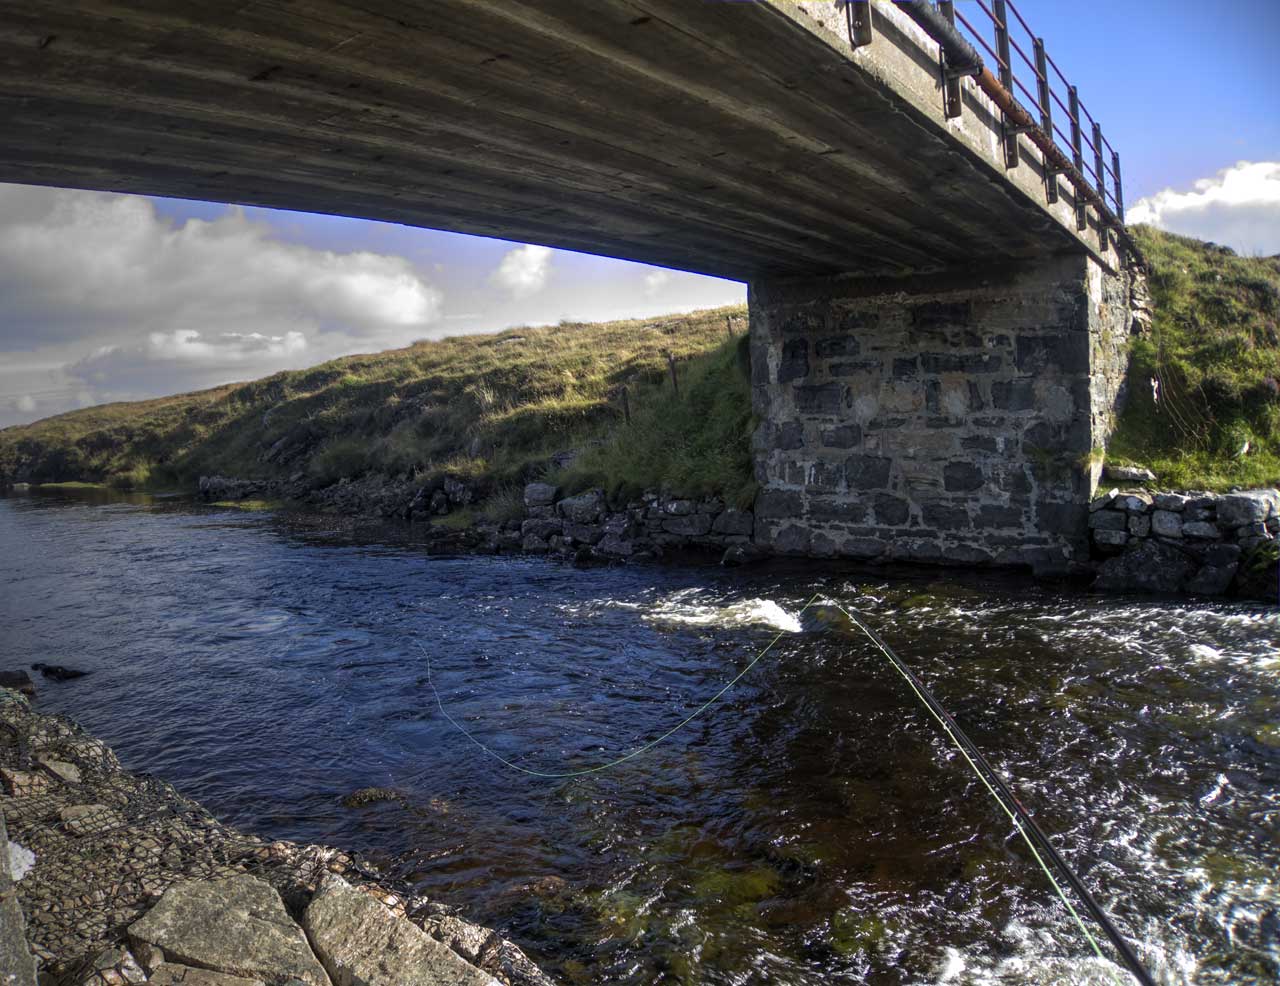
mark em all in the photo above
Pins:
pixel 937 418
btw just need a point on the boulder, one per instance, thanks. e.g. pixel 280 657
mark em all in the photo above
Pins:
pixel 67 772
pixel 1134 503
pixel 362 943
pixel 540 528
pixel 1203 529
pixel 583 533
pixel 1108 520
pixel 370 795
pixel 1170 501
pixel 585 508
pixel 88 819
pixel 1146 566
pixel 1103 500
pixel 1139 525
pixel 1252 507
pixel 540 494
pixel 1166 524
pixel 236 926
pixel 615 546
pixel 1259 573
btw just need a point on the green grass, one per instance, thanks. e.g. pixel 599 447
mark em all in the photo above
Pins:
pixel 490 409
pixel 1214 350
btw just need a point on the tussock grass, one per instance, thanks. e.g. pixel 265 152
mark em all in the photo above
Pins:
pixel 1214 352
pixel 491 409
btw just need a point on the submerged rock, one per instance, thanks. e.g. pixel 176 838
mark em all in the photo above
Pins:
pixel 236 926
pixel 362 943
pixel 370 795
pixel 19 681
pixel 57 672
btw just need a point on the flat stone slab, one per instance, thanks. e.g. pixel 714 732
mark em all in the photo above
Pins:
pixel 362 943
pixel 171 974
pixel 17 966
pixel 236 926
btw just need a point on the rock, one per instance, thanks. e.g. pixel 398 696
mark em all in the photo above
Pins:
pixel 1166 524
pixel 540 494
pixel 1147 566
pixel 1103 500
pixel 362 943
pixel 1174 502
pixel 743 554
pixel 19 681
pixel 534 544
pixel 583 533
pixel 1139 525
pixel 1202 529
pixel 170 974
pixel 1134 503
pixel 88 819
pixel 236 926
pixel 66 772
pixel 585 508
pixel 370 795
pixel 459 493
pixel 57 672
pixel 734 521
pixel 1212 580
pixel 1253 507
pixel 1108 520
pixel 1110 539
pixel 615 546
pixel 21 783
pixel 1128 474
pixel 541 528
pixel 688 525
pixel 21 861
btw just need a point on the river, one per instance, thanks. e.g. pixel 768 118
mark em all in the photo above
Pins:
pixel 812 827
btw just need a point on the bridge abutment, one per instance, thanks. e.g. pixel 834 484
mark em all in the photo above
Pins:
pixel 947 417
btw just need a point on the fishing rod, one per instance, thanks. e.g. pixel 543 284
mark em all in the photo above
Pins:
pixel 1000 791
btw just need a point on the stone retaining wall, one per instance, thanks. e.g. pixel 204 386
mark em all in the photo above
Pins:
pixel 1202 543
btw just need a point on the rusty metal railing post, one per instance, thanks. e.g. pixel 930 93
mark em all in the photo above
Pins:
pixel 1101 172
pixel 1046 113
pixel 1115 174
pixel 1077 153
pixel 952 105
pixel 858 16
pixel 1001 11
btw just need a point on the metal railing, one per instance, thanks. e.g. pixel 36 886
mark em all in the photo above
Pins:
pixel 1004 35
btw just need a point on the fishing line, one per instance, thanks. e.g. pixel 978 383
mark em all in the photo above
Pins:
pixel 996 786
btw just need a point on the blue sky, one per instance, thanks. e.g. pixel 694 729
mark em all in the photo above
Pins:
pixel 121 297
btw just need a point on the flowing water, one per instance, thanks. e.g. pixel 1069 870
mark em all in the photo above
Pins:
pixel 812 827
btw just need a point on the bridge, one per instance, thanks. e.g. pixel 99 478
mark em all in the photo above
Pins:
pixel 939 278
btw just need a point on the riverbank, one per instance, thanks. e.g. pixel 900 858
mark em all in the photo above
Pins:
pixel 1194 542
pixel 123 880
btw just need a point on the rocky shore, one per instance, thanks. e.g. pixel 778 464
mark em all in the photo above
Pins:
pixel 120 879
pixel 1197 543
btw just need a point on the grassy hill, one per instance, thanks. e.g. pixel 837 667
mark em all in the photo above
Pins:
pixel 488 408
pixel 1213 353
pixel 494 409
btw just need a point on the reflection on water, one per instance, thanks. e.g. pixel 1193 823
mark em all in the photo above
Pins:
pixel 813 827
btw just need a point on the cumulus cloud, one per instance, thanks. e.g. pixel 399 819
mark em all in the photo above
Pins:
pixel 524 270
pixel 80 265
pixel 1238 207
pixel 655 281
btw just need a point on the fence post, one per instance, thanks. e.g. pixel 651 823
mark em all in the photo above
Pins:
pixel 671 365
pixel 1046 114
pixel 1115 173
pixel 952 104
pixel 626 406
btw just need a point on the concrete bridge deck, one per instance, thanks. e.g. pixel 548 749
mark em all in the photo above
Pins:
pixel 736 139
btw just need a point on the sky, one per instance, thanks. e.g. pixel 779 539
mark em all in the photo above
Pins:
pixel 111 297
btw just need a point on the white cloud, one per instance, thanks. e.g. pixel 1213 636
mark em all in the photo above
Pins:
pixel 80 265
pixel 655 281
pixel 1239 207
pixel 25 403
pixel 524 270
